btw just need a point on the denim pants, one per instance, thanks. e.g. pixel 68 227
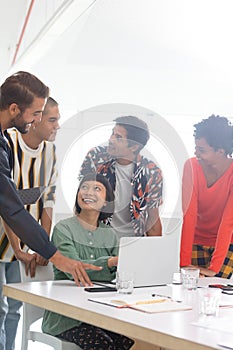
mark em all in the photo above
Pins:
pixel 9 308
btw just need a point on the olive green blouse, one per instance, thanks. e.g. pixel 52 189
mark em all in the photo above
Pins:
pixel 93 247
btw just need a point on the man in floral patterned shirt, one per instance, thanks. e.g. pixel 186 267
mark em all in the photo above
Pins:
pixel 137 181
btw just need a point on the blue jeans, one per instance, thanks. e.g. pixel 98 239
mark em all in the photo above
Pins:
pixel 9 308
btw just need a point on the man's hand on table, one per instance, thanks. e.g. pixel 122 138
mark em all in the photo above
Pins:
pixel 74 267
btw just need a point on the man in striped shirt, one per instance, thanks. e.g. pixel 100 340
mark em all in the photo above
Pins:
pixel 22 100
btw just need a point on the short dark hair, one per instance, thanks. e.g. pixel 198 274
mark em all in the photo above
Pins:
pixel 137 130
pixel 49 104
pixel 109 208
pixel 21 88
pixel 217 131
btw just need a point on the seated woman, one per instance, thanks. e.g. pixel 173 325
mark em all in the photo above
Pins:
pixel 94 202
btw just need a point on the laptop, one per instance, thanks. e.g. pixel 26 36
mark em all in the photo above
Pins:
pixel 152 260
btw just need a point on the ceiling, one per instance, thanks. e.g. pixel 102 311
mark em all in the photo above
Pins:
pixel 174 57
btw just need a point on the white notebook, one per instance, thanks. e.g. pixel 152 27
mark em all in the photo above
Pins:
pixel 142 303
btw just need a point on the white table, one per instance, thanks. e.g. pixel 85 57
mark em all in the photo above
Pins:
pixel 171 330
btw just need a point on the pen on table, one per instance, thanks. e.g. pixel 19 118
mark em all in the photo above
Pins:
pixel 165 296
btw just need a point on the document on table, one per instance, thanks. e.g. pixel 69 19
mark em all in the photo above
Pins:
pixel 222 324
pixel 226 304
pixel 142 303
pixel 226 341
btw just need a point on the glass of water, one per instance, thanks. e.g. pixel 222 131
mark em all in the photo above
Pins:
pixel 189 277
pixel 124 282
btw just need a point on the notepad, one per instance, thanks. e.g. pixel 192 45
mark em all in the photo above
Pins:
pixel 142 303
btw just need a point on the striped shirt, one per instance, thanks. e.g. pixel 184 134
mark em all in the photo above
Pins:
pixel 30 168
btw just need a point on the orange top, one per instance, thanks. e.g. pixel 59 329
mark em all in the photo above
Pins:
pixel 207 213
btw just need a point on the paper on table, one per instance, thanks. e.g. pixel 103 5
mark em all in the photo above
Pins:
pixel 226 304
pixel 222 324
pixel 226 341
pixel 143 303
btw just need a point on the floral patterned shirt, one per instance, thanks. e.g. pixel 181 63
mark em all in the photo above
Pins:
pixel 147 182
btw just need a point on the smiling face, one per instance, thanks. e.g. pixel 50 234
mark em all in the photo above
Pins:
pixel 22 121
pixel 118 146
pixel 206 154
pixel 47 128
pixel 91 196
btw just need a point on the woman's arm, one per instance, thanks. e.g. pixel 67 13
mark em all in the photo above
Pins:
pixel 224 236
pixel 189 206
pixel 63 239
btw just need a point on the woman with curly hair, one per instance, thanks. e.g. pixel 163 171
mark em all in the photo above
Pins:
pixel 207 200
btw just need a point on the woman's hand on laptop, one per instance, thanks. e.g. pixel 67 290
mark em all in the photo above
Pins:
pixel 113 261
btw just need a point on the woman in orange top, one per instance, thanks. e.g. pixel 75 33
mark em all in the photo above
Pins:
pixel 207 200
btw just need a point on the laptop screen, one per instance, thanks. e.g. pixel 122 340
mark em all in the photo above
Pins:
pixel 152 260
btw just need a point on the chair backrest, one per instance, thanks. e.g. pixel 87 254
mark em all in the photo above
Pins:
pixel 43 273
pixel 33 313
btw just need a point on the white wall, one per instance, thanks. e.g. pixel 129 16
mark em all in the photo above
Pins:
pixel 170 144
pixel 173 58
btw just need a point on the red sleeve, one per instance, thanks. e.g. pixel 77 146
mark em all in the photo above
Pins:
pixel 224 236
pixel 189 207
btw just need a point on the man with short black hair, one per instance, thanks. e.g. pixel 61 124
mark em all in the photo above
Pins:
pixel 137 181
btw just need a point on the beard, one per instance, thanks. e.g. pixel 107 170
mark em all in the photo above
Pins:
pixel 22 129
pixel 18 123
